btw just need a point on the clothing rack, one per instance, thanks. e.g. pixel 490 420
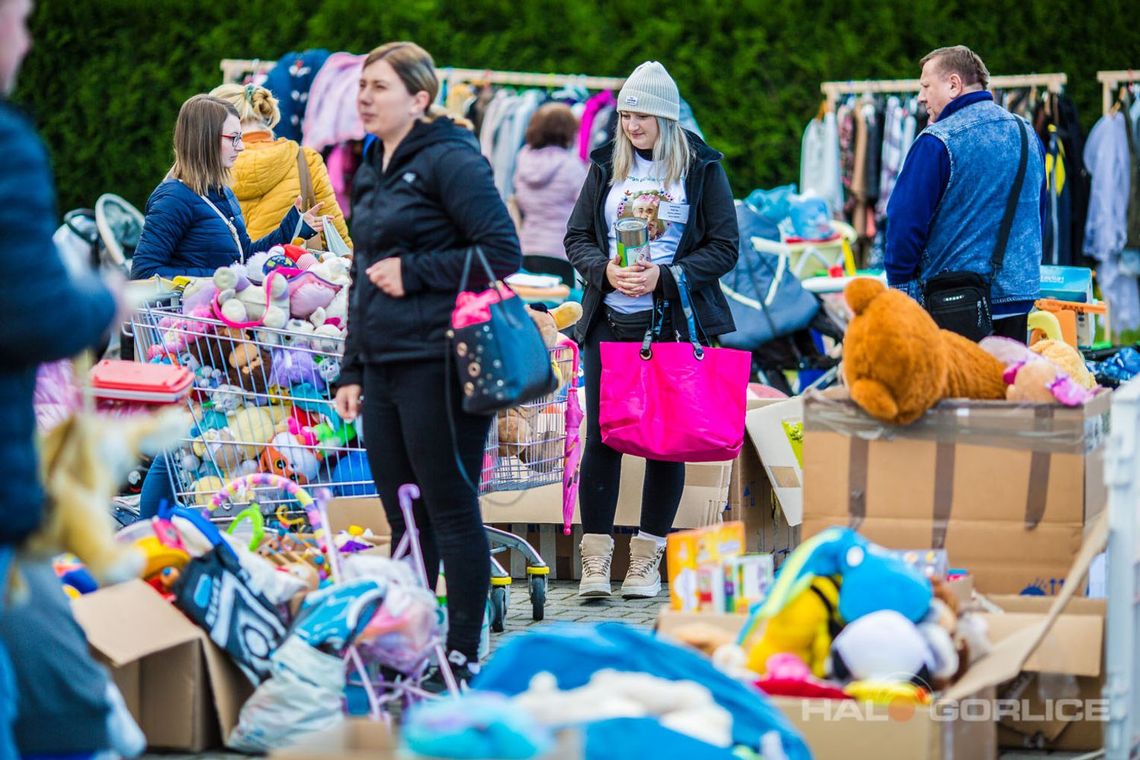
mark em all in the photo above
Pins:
pixel 833 90
pixel 1110 80
pixel 233 69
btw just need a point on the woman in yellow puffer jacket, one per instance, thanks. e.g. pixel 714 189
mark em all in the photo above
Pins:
pixel 267 174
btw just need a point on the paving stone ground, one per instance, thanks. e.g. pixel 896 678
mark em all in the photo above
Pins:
pixel 563 605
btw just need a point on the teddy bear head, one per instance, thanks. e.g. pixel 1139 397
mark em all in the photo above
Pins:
pixel 893 360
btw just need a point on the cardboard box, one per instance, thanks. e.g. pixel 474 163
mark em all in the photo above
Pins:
pixel 183 691
pixel 754 499
pixel 360 739
pixel 355 739
pixel 836 730
pixel 1068 665
pixel 365 512
pixel 1006 489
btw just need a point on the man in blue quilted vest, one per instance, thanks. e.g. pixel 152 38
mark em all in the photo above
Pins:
pixel 947 206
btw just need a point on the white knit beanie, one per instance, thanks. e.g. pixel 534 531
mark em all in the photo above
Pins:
pixel 650 90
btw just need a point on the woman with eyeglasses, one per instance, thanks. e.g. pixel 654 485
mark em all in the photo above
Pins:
pixel 193 221
pixel 194 225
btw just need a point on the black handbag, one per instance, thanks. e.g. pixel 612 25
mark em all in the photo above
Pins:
pixel 960 301
pixel 500 356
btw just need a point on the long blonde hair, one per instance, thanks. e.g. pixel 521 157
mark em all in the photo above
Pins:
pixel 671 151
pixel 197 143
pixel 253 103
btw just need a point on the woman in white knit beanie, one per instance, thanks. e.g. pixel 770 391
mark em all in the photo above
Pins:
pixel 657 171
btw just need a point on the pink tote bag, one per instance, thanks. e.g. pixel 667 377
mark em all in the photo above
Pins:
pixel 675 402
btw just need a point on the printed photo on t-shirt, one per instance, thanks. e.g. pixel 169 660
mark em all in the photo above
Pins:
pixel 644 204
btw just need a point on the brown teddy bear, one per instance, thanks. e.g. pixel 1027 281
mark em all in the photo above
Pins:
pixel 897 363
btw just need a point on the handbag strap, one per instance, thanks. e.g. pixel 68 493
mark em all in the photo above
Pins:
pixel 691 322
pixel 476 251
pixel 308 194
pixel 1011 203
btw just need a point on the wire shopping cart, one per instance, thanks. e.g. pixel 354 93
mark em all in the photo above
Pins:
pixel 263 403
pixel 534 444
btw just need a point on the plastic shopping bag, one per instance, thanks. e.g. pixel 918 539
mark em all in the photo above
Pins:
pixel 334 243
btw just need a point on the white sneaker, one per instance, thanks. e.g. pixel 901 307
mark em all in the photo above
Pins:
pixel 643 581
pixel 597 553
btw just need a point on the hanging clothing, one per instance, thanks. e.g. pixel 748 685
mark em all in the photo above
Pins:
pixel 874 118
pixel 289 81
pixel 509 138
pixel 1106 156
pixel 593 106
pixel 331 115
pixel 820 171
pixel 1057 242
pixel 892 158
pixel 1108 160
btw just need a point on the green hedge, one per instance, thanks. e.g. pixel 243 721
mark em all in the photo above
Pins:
pixel 106 77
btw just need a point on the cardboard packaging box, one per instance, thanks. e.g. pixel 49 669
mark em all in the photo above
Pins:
pixel 1006 489
pixel 360 739
pixel 183 691
pixel 961 722
pixel 1061 686
pixel 760 484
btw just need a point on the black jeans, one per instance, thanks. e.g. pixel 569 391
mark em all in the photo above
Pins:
pixel 408 439
pixel 601 465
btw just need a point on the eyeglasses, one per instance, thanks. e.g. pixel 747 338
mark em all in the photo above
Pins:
pixel 234 138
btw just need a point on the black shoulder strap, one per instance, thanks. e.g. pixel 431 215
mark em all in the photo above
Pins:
pixel 1011 204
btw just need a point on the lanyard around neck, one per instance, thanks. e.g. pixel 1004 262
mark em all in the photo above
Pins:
pixel 229 225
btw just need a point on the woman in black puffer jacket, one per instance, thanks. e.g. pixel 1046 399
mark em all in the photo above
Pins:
pixel 423 196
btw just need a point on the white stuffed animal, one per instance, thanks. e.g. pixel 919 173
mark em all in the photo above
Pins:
pixel 684 706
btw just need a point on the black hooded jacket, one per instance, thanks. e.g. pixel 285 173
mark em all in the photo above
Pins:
pixel 707 250
pixel 436 200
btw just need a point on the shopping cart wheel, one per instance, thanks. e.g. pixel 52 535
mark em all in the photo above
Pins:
pixel 498 608
pixel 538 596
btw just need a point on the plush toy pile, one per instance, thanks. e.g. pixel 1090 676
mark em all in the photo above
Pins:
pixel 262 381
pixel 847 619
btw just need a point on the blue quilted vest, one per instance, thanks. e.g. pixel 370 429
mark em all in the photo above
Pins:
pixel 984 150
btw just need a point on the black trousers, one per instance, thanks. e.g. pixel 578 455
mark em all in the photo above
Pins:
pixel 601 465
pixel 408 439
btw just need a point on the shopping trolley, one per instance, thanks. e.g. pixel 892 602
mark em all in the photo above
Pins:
pixel 531 445
pixel 263 403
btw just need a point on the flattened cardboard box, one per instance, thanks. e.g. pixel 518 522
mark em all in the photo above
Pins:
pixel 837 730
pixel 183 691
pixel 1006 489
pixel 1069 665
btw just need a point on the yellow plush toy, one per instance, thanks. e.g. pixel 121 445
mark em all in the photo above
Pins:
pixel 83 460
pixel 897 363
pixel 804 628
pixel 1067 358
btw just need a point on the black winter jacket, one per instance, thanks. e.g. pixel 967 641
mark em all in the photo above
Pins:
pixel 435 201
pixel 708 247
